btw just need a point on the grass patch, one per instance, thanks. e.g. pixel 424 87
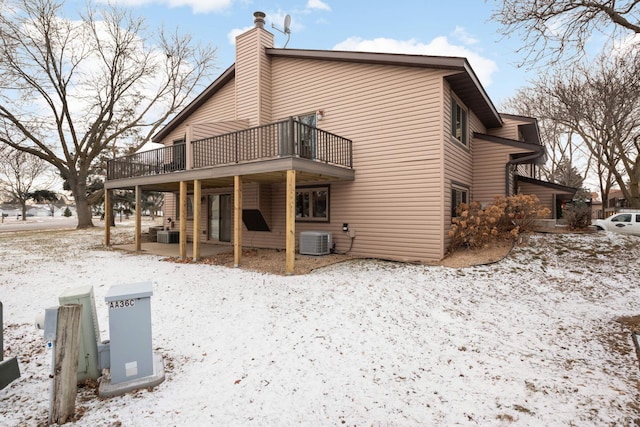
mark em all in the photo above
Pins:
pixel 522 409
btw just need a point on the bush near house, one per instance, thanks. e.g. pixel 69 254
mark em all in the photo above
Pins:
pixel 476 227
pixel 577 215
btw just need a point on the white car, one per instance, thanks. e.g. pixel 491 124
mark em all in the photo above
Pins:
pixel 627 222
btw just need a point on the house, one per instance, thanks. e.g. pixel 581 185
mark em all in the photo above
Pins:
pixel 376 149
pixel 615 201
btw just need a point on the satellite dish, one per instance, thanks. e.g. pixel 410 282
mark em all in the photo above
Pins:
pixel 287 24
pixel 287 28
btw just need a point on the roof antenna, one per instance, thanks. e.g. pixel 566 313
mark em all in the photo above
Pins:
pixel 287 29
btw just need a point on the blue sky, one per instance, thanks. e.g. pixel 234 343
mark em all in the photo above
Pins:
pixel 460 28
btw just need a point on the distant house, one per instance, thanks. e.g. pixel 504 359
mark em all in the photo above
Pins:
pixel 376 149
pixel 615 201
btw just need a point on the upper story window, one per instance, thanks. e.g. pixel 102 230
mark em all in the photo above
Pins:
pixel 458 122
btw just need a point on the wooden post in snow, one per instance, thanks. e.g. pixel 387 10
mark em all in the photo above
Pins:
pixel 65 372
pixel 290 230
pixel 237 221
pixel 197 194
pixel 183 219
pixel 138 228
pixel 107 217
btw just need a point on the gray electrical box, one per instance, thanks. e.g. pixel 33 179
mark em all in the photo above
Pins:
pixel 131 354
pixel 88 366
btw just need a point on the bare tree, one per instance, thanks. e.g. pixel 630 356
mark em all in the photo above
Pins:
pixel 552 29
pixel 561 145
pixel 600 102
pixel 20 174
pixel 152 202
pixel 72 89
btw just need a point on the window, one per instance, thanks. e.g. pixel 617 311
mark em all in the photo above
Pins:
pixel 307 137
pixel 621 218
pixel 458 196
pixel 458 122
pixel 189 206
pixel 312 204
pixel 178 156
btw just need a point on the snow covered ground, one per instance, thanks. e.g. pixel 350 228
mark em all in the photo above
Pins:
pixel 531 340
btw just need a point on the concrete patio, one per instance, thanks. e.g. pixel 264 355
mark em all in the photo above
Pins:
pixel 172 249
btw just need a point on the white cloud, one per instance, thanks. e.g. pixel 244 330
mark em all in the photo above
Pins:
pixel 231 35
pixel 198 6
pixel 440 46
pixel 461 34
pixel 626 46
pixel 277 19
pixel 318 4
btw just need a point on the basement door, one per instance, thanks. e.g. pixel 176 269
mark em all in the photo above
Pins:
pixel 220 210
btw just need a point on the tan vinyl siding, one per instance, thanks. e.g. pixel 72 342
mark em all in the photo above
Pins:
pixel 457 163
pixel 394 117
pixel 205 130
pixel 458 158
pixel 253 97
pixel 489 170
pixel 508 130
pixel 525 170
pixel 218 109
pixel 545 195
pixel 257 196
pixel 265 96
pixel 171 201
pixel 169 209
pixel 246 77
pixel 270 199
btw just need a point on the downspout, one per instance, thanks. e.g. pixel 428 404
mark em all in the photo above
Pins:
pixel 507 168
pixel 514 162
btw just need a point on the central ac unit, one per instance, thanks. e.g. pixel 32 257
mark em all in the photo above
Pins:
pixel 315 243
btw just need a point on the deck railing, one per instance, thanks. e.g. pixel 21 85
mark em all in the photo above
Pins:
pixel 287 138
pixel 145 163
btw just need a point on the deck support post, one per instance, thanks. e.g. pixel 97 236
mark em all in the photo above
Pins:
pixel 183 219
pixel 107 217
pixel 138 226
pixel 290 230
pixel 237 220
pixel 197 192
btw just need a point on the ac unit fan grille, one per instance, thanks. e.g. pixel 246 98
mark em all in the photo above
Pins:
pixel 315 243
